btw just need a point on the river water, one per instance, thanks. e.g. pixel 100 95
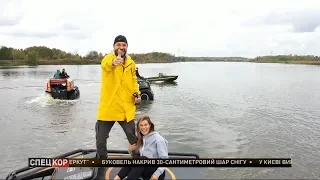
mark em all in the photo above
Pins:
pixel 216 109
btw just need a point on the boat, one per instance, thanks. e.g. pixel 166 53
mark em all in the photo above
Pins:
pixel 92 173
pixel 62 88
pixel 162 77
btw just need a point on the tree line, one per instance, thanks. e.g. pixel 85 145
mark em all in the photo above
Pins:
pixel 284 58
pixel 34 54
pixel 45 55
pixel 42 52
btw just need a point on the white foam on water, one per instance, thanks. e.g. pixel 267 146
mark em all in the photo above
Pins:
pixel 47 100
pixel 43 100
pixel 62 102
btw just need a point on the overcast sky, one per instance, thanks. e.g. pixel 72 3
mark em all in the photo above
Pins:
pixel 246 28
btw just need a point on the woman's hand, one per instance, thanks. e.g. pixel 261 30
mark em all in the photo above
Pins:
pixel 117 178
pixel 132 147
pixel 154 177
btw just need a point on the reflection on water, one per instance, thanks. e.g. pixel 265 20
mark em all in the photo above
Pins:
pixel 16 67
pixel 164 84
pixel 143 108
pixel 26 73
pixel 218 110
pixel 12 73
pixel 66 115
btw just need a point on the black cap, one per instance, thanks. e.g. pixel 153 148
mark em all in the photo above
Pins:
pixel 120 38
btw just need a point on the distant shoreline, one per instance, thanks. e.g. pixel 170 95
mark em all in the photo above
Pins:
pixel 42 55
pixel 97 62
pixel 291 62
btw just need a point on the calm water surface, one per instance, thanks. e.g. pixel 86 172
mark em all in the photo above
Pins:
pixel 214 109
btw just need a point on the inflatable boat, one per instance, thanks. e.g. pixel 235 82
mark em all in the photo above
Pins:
pixel 63 88
pixel 92 173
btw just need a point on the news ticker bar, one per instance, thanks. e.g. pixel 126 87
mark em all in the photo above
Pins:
pixel 74 162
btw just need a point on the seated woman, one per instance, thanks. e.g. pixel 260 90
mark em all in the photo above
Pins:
pixel 150 144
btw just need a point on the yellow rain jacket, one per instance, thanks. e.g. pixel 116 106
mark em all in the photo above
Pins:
pixel 118 84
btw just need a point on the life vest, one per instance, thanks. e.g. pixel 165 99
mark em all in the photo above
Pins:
pixel 69 86
pixel 48 87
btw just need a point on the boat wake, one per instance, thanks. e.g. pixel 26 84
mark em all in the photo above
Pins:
pixel 43 100
pixel 47 100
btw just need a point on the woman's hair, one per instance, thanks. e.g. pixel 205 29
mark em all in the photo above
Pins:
pixel 139 134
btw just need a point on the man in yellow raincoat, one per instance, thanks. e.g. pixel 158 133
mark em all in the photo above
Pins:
pixel 119 94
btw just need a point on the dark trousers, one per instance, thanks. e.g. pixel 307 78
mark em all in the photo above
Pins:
pixel 134 173
pixel 102 134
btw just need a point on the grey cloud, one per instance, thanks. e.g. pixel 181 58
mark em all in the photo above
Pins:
pixel 301 20
pixel 75 31
pixel 77 35
pixel 10 12
pixel 72 35
pixel 69 26
pixel 6 21
pixel 35 34
pixel 31 34
pixel 235 12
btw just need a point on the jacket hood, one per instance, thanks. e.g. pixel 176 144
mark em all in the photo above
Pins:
pixel 153 138
pixel 152 134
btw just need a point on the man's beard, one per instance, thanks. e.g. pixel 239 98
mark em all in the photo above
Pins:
pixel 123 51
